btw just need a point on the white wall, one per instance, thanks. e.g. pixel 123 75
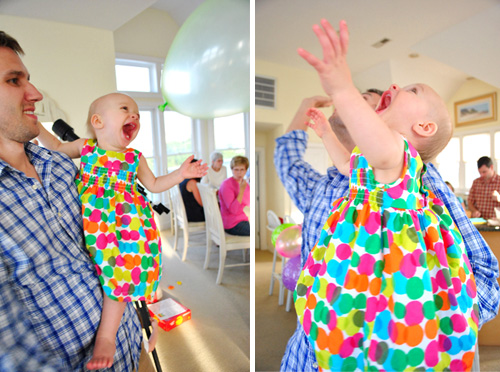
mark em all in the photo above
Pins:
pixel 73 64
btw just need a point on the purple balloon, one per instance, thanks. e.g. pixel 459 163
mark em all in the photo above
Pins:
pixel 291 273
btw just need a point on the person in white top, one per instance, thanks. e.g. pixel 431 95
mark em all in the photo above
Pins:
pixel 216 172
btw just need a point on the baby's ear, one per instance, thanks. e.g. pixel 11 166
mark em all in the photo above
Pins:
pixel 96 121
pixel 425 129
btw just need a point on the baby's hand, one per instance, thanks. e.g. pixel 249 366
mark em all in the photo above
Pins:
pixel 321 124
pixel 333 70
pixel 193 170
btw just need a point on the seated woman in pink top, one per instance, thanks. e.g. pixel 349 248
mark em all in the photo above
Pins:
pixel 234 195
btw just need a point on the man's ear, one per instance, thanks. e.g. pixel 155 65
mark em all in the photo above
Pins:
pixel 96 121
pixel 425 129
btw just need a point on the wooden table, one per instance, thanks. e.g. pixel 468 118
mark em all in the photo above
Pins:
pixel 490 332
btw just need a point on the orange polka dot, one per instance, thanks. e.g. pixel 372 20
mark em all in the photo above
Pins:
pixel 390 303
pixel 103 227
pixel 375 286
pixel 399 334
pixel 351 279
pixel 92 227
pixel 414 335
pixel 461 274
pixel 335 340
pixel 393 259
pixel 129 261
pixel 446 301
pixel 468 358
pixel 432 235
pixel 137 260
pixel 311 302
pixel 322 340
pixel 362 284
pixel 431 328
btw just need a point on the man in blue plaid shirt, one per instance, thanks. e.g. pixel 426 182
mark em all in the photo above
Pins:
pixel 314 193
pixel 50 295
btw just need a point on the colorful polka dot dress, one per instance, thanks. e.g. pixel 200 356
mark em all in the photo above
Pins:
pixel 389 287
pixel 118 222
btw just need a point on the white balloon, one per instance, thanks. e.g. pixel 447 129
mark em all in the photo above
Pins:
pixel 207 69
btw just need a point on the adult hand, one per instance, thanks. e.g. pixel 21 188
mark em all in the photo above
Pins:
pixel 298 122
pixel 475 214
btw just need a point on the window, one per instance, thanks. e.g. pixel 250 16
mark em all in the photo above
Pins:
pixel 457 163
pixel 167 138
pixel 178 138
pixel 229 137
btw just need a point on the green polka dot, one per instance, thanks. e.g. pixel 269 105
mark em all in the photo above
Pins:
pixel 351 215
pixel 398 223
pixel 355 259
pixel 108 271
pixel 154 248
pixel 412 234
pixel 437 209
pixel 112 261
pixel 358 318
pixel 399 310
pixel 415 356
pixel 438 301
pixel 399 203
pixel 346 302
pixel 445 325
pixel 90 240
pixel 143 277
pixel 414 288
pixel 373 244
pixel 349 364
pixel 313 333
pixel 301 289
pixel 317 311
pixel 98 204
pixel 92 250
pixel 378 268
pixel 398 360
pixel 360 301
pixel 131 289
pixel 381 352
pixel 325 315
pixel 87 212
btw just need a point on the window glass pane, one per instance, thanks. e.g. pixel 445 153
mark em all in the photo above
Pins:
pixel 133 78
pixel 229 135
pixel 475 146
pixel 178 138
pixel 229 132
pixel 449 162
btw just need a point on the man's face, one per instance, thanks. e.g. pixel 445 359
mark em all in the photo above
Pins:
pixel 338 126
pixel 486 172
pixel 17 99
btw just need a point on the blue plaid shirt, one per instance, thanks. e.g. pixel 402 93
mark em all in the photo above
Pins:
pixel 51 299
pixel 314 193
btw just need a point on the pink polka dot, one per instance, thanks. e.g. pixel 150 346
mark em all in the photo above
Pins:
pixel 396 191
pixel 126 220
pixel 313 270
pixel 125 288
pixel 441 254
pixel 414 313
pixel 134 235
pixel 129 157
pixel 441 280
pixel 381 304
pixel 95 216
pixel 102 241
pixel 347 348
pixel 457 284
pixel 125 234
pixel 343 251
pixel 136 275
pixel 333 320
pixel 373 223
pixel 366 263
pixel 431 354
pixel 407 266
pixel 306 323
pixel 119 209
pixel 128 198
pixel 372 350
pixel 116 164
pixel 458 322
pixel 371 309
pixel 323 268
pixel 471 288
pixel 120 261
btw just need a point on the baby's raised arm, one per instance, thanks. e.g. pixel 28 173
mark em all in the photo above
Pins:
pixel 165 182
pixel 72 149
pixel 382 146
pixel 337 152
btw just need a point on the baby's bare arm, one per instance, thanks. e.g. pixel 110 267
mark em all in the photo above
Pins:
pixel 72 149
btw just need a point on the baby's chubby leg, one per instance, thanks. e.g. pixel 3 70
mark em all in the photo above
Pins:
pixel 105 343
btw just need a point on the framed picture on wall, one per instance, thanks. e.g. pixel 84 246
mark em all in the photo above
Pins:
pixel 476 110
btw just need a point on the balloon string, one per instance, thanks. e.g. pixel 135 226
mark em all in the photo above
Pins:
pixel 162 107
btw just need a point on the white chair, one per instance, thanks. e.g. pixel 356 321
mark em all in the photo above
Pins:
pixel 273 222
pixel 216 233
pixel 181 222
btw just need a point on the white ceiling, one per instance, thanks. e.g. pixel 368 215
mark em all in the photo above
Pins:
pixel 456 39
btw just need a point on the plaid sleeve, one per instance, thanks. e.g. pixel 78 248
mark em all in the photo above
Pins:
pixel 297 176
pixel 483 261
pixel 19 346
pixel 299 355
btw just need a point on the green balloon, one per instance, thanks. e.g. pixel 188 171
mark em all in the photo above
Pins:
pixel 278 230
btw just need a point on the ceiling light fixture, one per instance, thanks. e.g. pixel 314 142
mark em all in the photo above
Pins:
pixel 381 43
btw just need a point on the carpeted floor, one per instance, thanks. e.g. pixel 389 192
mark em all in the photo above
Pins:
pixel 217 338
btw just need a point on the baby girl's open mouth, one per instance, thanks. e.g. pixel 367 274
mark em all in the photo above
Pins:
pixel 128 130
pixel 385 102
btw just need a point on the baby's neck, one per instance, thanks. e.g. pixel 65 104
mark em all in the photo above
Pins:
pixel 106 145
